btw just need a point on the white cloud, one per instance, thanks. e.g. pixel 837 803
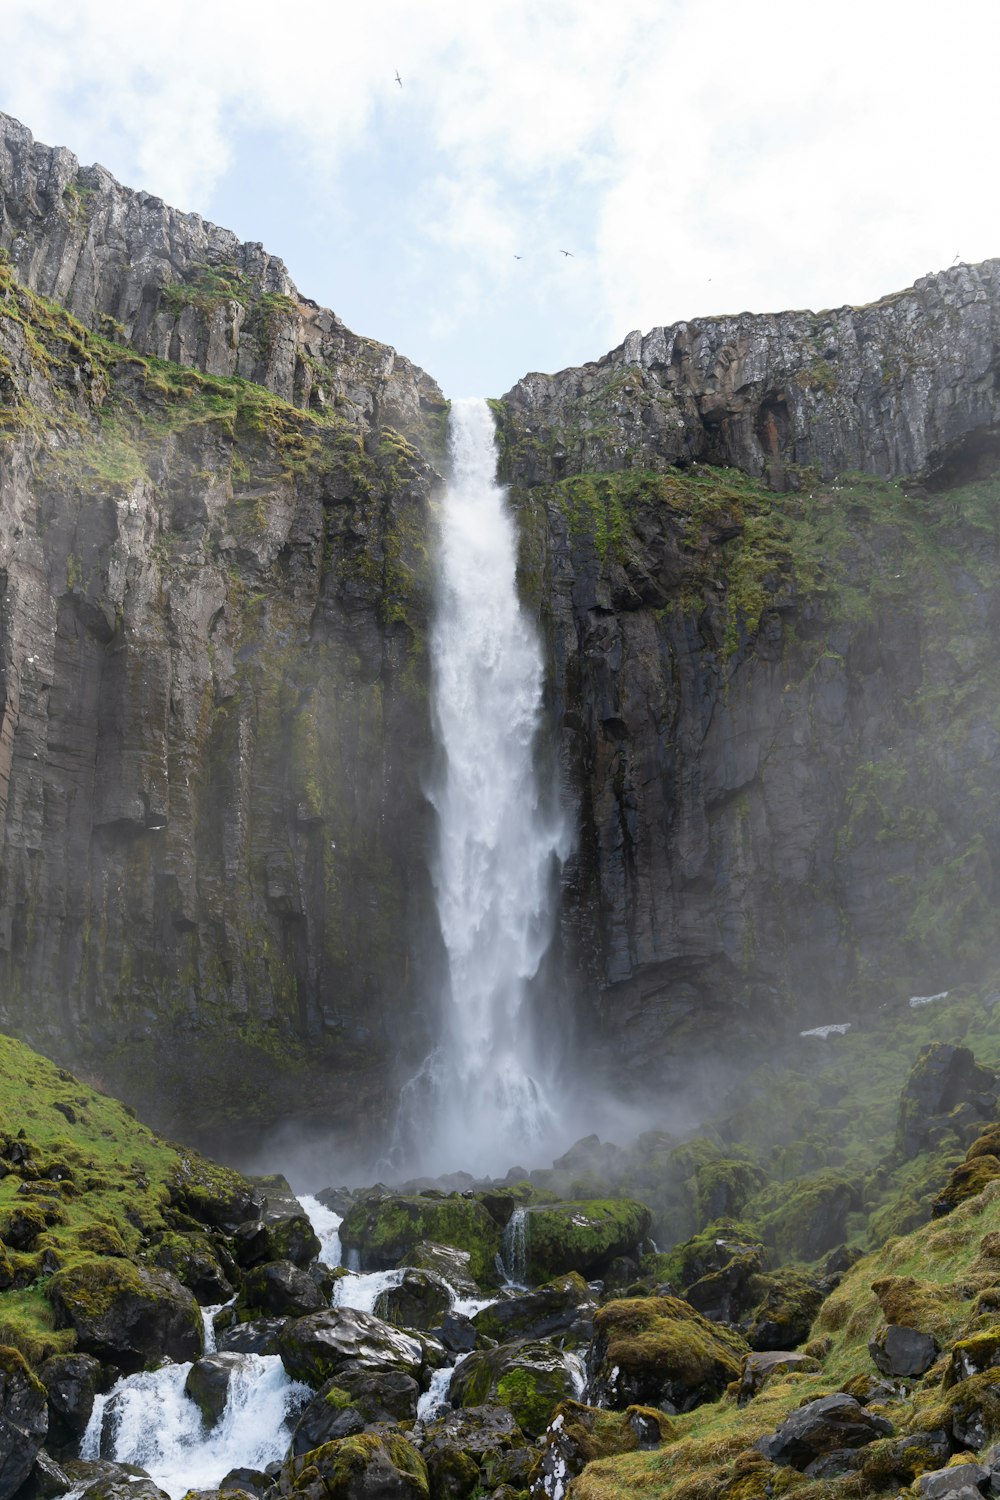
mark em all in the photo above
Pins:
pixel 702 158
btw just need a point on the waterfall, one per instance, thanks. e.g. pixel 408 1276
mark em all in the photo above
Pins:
pixel 500 835
pixel 512 1259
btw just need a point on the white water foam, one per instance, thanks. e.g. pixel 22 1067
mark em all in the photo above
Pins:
pixel 153 1424
pixel 326 1225
pixel 435 1400
pixel 361 1289
pixel 499 845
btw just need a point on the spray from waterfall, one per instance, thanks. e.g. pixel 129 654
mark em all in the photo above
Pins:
pixel 501 833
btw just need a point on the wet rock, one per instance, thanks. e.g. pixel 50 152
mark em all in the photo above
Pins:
pixel 251 1243
pixel 328 1417
pixel 215 1195
pixel 453 1266
pixel 126 1314
pixel 47 1479
pixel 99 1479
pixel 759 1368
pixel 531 1378
pixel 24 1421
pixel 259 1336
pixel 378 1395
pixel 71 1382
pixel 899 1351
pixel 282 1289
pixel 458 1333
pixel 563 1307
pixel 248 1481
pixel 208 1382
pixel 420 1300
pixel 314 1348
pixel 903 1458
pixel 479 1447
pixel 369 1464
pixel 657 1351
pixel 819 1427
pixel 293 1238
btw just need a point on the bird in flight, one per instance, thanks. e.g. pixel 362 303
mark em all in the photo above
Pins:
pixel 398 79
pixel 517 257
pixel 566 252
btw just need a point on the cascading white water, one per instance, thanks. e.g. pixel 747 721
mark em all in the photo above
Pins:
pixel 498 836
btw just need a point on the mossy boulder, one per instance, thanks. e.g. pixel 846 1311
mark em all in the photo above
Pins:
pixel 826 1425
pixel 807 1217
pixel 452 1265
pixel 966 1181
pixel 127 1315
pixel 783 1305
pixel 531 1378
pixel 969 1411
pixel 354 1398
pixel 382 1231
pixel 761 1367
pixel 24 1420
pixel 943 1077
pixel 420 1300
pixel 477 1448
pixel 381 1464
pixel 578 1435
pixel 659 1351
pixel 563 1307
pixel 971 1356
pixel 582 1236
pixel 293 1238
pixel 196 1262
pixel 214 1195
pixel 314 1348
pixel 99 1479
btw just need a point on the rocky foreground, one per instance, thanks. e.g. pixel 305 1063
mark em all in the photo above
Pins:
pixel 764 1353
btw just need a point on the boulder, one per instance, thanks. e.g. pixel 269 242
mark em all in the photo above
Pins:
pixel 453 1266
pixel 420 1300
pixel 24 1420
pixel 903 1458
pixel 70 1382
pixel 383 1231
pixel 99 1479
pixel 900 1351
pixel 810 1218
pixel 759 1368
pixel 246 1481
pixel 458 1333
pixel 370 1395
pixel 956 1482
pixel 967 1180
pixel 282 1289
pixel 972 1356
pixel 126 1314
pixel 328 1417
pixel 563 1307
pixel 577 1434
pixel 822 1426
pixel 215 1195
pixel 314 1348
pixel 367 1466
pixel 783 1304
pixel 477 1448
pixel 293 1238
pixel 658 1351
pixel 208 1381
pixel 259 1336
pixel 942 1077
pixel 530 1378
pixel 582 1236
pixel 195 1262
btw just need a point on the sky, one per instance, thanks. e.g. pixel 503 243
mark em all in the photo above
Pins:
pixel 693 157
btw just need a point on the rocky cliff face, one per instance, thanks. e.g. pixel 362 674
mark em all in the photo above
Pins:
pixel 772 682
pixel 777 712
pixel 212 676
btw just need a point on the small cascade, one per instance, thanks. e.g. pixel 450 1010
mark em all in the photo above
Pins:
pixel 147 1419
pixel 435 1400
pixel 512 1260
pixel 361 1290
pixel 326 1225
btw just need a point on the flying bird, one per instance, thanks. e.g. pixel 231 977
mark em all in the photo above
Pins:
pixel 398 79
pixel 517 257
pixel 566 252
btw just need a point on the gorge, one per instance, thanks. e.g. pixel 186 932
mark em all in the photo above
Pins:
pixel 587 796
pixel 768 675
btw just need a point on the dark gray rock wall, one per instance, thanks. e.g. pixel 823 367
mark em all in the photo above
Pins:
pixel 885 389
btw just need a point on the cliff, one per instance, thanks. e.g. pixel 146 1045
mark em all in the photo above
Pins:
pixel 775 710
pixel 772 687
pixel 214 579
